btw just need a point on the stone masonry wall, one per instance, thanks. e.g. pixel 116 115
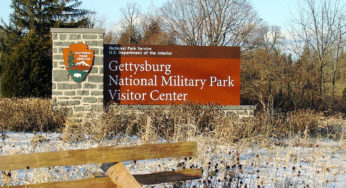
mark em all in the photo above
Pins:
pixel 87 95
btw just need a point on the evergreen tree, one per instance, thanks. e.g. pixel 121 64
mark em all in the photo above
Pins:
pixel 27 74
pixel 71 62
pixel 26 45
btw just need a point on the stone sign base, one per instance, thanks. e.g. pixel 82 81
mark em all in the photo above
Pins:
pixel 241 111
pixel 87 96
pixel 82 97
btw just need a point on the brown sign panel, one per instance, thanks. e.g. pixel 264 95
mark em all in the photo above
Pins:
pixel 78 61
pixel 164 75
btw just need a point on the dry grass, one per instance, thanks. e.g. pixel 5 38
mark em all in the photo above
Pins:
pixel 279 149
pixel 30 114
pixel 179 123
pixel 175 123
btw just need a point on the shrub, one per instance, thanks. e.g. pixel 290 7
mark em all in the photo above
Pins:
pixel 30 114
pixel 179 122
pixel 183 122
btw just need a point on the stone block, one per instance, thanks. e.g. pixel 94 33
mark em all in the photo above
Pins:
pixel 89 86
pixel 96 107
pixel 95 79
pixel 60 49
pixel 241 112
pixel 90 100
pixel 94 43
pixel 94 70
pixel 98 61
pixel 63 36
pixel 100 100
pixel 60 76
pixel 69 102
pixel 64 98
pixel 96 93
pixel 57 57
pixel 74 37
pixel 66 44
pixel 69 86
pixel 56 93
pixel 78 116
pixel 82 93
pixel 79 108
pixel 55 36
pixel 69 93
pixel 101 86
pixel 89 36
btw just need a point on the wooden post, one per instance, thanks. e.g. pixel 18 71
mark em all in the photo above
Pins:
pixel 121 176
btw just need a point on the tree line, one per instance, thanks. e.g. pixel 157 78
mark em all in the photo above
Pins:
pixel 26 45
pixel 305 69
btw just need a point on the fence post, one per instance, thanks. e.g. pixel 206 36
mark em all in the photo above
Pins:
pixel 121 176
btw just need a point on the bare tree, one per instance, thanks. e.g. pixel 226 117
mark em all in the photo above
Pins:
pixel 152 32
pixel 213 22
pixel 339 56
pixel 131 17
pixel 111 38
pixel 184 19
pixel 264 71
pixel 319 26
pixel 273 40
pixel 130 14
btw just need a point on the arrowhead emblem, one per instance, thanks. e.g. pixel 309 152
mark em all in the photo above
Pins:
pixel 78 59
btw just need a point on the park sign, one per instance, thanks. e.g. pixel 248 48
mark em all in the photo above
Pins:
pixel 78 60
pixel 164 75
pixel 140 76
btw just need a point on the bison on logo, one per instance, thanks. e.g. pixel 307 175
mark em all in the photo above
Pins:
pixel 78 61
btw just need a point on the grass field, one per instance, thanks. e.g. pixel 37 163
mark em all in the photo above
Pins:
pixel 296 149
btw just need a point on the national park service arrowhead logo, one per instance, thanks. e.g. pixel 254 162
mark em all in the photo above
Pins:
pixel 78 59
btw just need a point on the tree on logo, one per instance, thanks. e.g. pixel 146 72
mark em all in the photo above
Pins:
pixel 71 62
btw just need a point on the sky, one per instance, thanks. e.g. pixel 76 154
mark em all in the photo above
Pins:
pixel 273 12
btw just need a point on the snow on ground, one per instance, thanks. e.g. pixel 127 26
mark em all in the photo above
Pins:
pixel 278 163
